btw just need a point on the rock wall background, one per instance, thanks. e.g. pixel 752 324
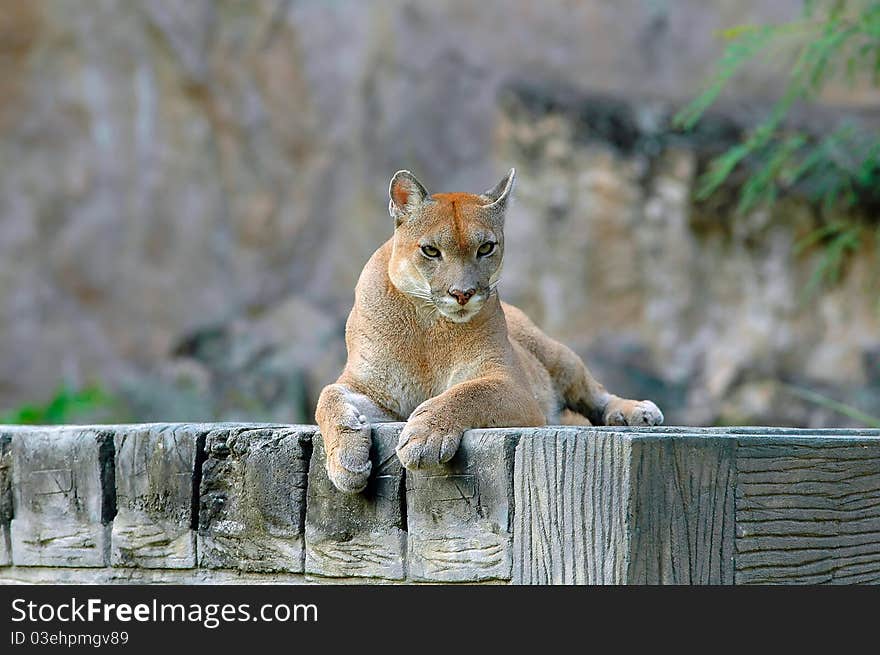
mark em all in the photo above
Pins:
pixel 188 191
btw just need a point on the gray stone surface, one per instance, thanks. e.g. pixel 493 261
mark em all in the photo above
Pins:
pixel 133 575
pixel 58 499
pixel 154 495
pixel 252 498
pixel 11 575
pixel 808 510
pixel 5 545
pixel 5 497
pixel 460 517
pixel 362 534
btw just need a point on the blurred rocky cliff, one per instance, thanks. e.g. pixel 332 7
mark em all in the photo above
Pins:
pixel 188 191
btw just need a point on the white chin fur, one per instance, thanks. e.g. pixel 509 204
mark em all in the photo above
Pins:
pixel 462 316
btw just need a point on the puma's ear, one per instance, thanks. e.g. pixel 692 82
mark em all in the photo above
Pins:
pixel 407 193
pixel 497 196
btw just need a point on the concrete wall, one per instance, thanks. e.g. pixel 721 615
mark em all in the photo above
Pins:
pixel 223 503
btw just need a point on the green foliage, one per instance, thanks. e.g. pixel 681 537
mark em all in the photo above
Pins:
pixel 833 39
pixel 839 239
pixel 66 406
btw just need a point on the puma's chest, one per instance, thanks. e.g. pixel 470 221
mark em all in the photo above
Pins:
pixel 405 368
pixel 403 377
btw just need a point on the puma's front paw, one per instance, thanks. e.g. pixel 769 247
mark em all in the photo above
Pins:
pixel 348 455
pixel 621 411
pixel 426 443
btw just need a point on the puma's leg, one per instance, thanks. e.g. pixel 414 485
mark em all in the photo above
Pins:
pixel 434 429
pixel 568 417
pixel 582 393
pixel 344 417
pixel 621 411
pixel 576 386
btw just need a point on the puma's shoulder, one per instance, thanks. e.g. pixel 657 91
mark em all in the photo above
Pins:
pixel 521 328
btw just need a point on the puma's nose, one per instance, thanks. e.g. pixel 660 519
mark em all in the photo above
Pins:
pixel 462 296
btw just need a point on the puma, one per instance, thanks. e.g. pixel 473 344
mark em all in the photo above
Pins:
pixel 430 343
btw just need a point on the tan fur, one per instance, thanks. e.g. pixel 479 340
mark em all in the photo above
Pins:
pixel 417 354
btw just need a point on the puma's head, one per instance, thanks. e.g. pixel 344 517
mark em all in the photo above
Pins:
pixel 448 247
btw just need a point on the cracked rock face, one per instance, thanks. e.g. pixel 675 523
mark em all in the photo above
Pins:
pixel 704 312
pixel 190 190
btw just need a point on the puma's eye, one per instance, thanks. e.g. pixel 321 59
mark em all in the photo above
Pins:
pixel 430 251
pixel 486 249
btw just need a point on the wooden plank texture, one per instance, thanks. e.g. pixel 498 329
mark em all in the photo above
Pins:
pixel 604 507
pixel 808 510
pixel 682 510
pixel 571 492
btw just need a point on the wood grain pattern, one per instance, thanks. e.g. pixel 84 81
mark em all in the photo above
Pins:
pixel 571 492
pixel 682 506
pixel 604 507
pixel 808 510
pixel 744 430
